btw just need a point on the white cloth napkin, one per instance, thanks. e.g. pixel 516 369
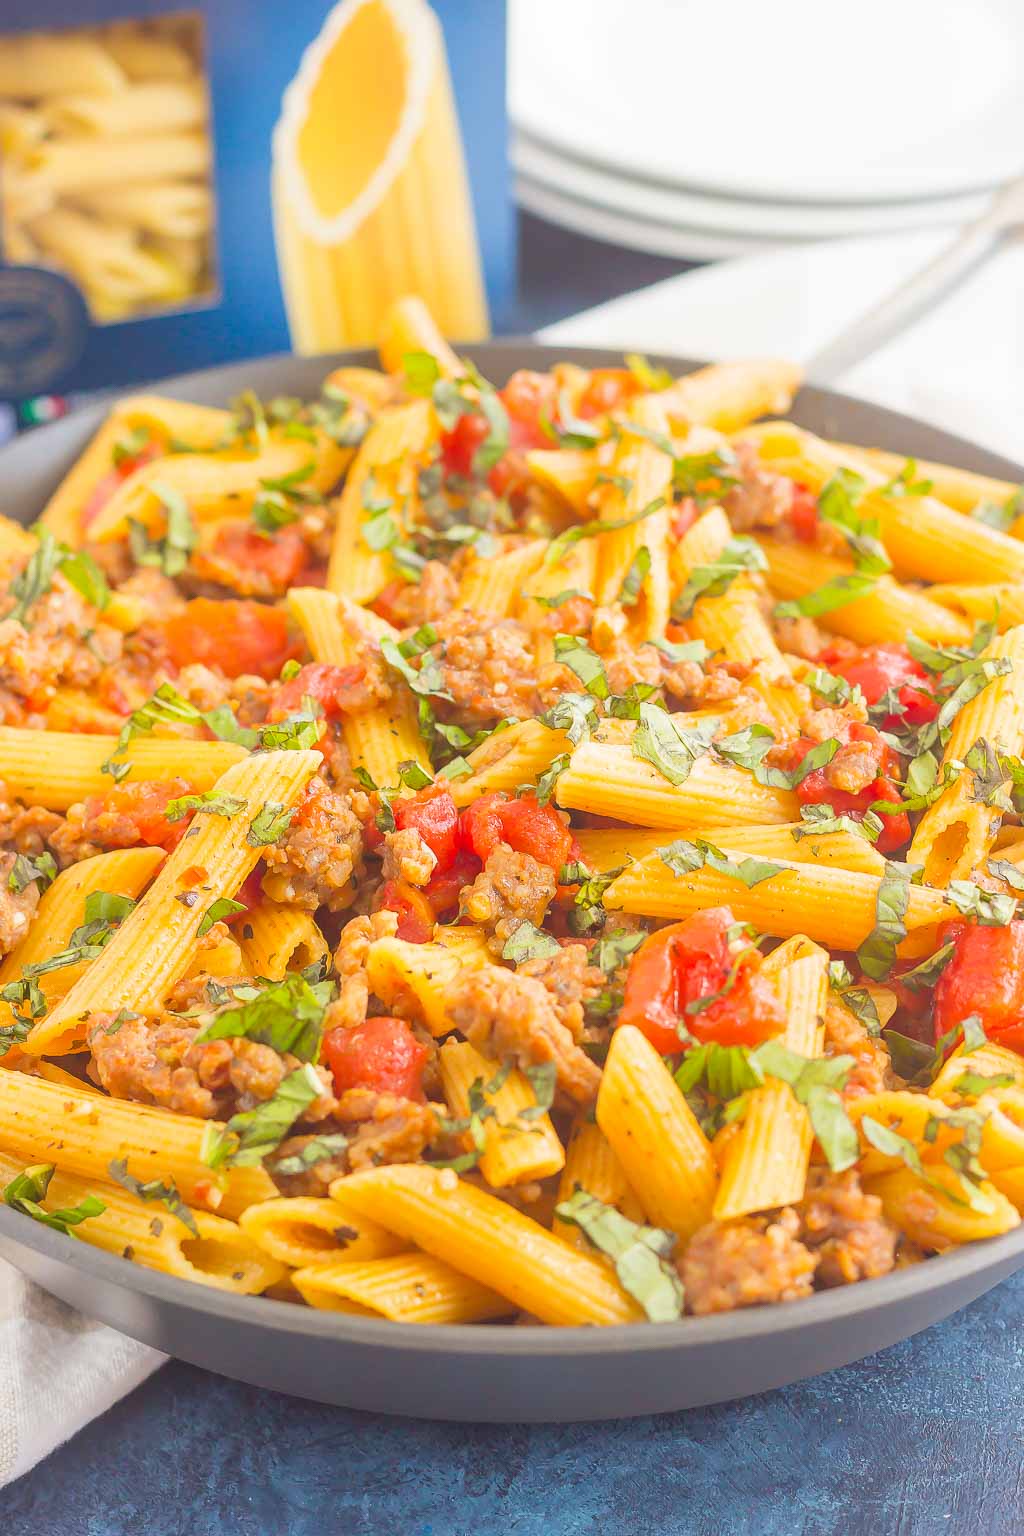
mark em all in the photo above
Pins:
pixel 58 1371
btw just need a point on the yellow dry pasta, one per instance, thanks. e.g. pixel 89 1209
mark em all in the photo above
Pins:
pixel 591 1165
pixel 606 848
pixel 276 938
pixel 606 779
pixel 306 1230
pixel 732 623
pixel 728 395
pixel 492 585
pixel 57 769
pixel 520 754
pixel 409 1288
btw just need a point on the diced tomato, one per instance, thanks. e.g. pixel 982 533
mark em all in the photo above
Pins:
pixel 607 390
pixel 816 789
pixel 444 886
pixel 137 813
pixel 984 977
pixel 382 1054
pixel 527 397
pixel 385 601
pixel 683 516
pixel 335 689
pixel 684 965
pixel 803 514
pixel 459 445
pixel 415 913
pixel 433 814
pixel 525 824
pixel 280 557
pixel 876 669
pixel 235 635
pixel 114 479
pixel 250 894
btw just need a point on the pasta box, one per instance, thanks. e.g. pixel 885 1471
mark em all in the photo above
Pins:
pixel 184 184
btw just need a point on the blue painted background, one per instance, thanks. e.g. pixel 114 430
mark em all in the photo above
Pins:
pixel 925 1438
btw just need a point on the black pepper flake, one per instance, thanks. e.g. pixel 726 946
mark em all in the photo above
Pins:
pixel 187 898
pixel 247 931
pixel 128 1253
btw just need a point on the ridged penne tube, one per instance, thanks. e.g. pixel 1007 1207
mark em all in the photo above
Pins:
pixel 377 739
pixel 175 210
pixel 765 1163
pixel 646 473
pixel 787 701
pixel 932 1126
pixel 388 460
pixel 834 907
pixel 276 938
pixel 574 571
pixel 415 977
pixel 607 847
pixel 217 1253
pixel 369 387
pixel 42 1122
pixel 408 326
pixel 569 472
pixel 517 755
pixel 158 107
pixel 653 1132
pixel 464 940
pixel 516 1151
pixel 156 942
pixel 935 1219
pixel 303 1230
pixel 38 64
pixel 490 1241
pixel 988 1060
pixel 591 1164
pixel 959 488
pixel 733 623
pixel 1000 603
pixel 123 872
pixel 57 769
pixel 888 612
pixel 608 780
pixel 494 585
pixel 728 395
pixel 924 537
pixel 956 832
pixel 67 165
pixel 215 485
pixel 410 1288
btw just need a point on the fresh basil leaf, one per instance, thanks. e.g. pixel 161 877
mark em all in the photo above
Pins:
pixel 221 908
pixel 683 650
pixel 816 1083
pixel 649 378
pixel 661 740
pixel 877 953
pixel 575 654
pixel 295 733
pixel 559 598
pixel 819 819
pixel 548 780
pixel 834 594
pixel 252 1135
pixel 575 714
pixel 287 1016
pixel 834 690
pixel 1004 870
pixel 642 1254
pixel 317 1150
pixel 529 942
pixel 632 582
pixel 906 483
pixel 973 1084
pixel 612 950
pixel 739 555
pixel 210 803
pixel 269 825
pixel 80 569
pixel 990 909
pixel 421 372
pixel 543 1079
pixel 153 1189
pixel 555 551
pixel 25 1192
pixel 35 578
pixel 43 870
pixel 724 1070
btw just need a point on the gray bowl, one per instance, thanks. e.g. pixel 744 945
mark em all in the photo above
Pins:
pixel 490 1373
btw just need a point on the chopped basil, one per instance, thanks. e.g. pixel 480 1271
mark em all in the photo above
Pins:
pixel 749 747
pixel 428 679
pixel 632 582
pixel 819 819
pixel 545 786
pixel 286 1015
pixel 36 576
pixel 593 530
pixel 704 476
pixel 1004 870
pixel 529 942
pixel 816 1083
pixel 421 372
pixel 683 650
pixel 210 804
pixel 612 950
pixel 103 911
pixel 918 1063
pixel 587 665
pixel 1000 515
pixel 130 446
pixel 971 1085
pixel 153 1189
pixel 877 953
pixel 171 553
pixel 575 714
pixel 661 740
pixel 320 1149
pixel 642 1254
pixel 80 569
pixel 249 1137
pixel 269 824
pixel 683 858
pixel 827 598
pixel 25 1192
pixel 543 1080
pixel 905 483
pixel 739 555
pixel 559 598
pixel 221 908
pixel 989 909
pixel 24 870
pixel 649 378
pixel 724 1070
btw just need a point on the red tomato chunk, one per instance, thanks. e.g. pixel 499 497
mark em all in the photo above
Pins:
pixel 382 1054
pixel 137 813
pixel 876 669
pixel 524 824
pixel 985 977
pixel 335 689
pixel 684 965
pixel 415 913
pixel 237 636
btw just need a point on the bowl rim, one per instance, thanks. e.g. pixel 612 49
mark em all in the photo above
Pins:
pixel 529 1340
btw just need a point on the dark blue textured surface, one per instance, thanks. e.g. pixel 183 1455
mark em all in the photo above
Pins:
pixel 925 1438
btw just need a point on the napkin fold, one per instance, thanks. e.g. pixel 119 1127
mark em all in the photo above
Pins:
pixel 58 1371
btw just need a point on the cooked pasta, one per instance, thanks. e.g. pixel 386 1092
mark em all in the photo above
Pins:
pixel 572 882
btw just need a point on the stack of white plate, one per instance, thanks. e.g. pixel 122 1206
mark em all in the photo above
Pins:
pixel 702 129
